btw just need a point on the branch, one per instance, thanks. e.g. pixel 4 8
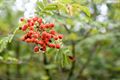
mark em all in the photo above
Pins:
pixel 18 66
pixel 46 63
pixel 73 63
pixel 93 50
pixel 66 28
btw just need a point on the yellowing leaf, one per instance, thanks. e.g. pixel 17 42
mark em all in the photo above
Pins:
pixel 51 7
pixel 85 10
pixel 73 36
pixel 94 31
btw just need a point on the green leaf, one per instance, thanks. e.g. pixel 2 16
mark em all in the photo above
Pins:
pixel 51 7
pixel 45 2
pixel 94 31
pixel 62 7
pixel 50 66
pixel 1 58
pixel 65 1
pixel 3 43
pixel 5 40
pixel 85 10
pixel 69 21
pixel 73 36
pixel 40 5
pixel 61 57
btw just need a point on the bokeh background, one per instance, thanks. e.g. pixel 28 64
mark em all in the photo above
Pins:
pixel 93 40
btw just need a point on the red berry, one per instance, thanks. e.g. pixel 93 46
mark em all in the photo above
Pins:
pixel 46 25
pixel 39 20
pixel 36 36
pixel 42 26
pixel 35 18
pixel 21 19
pixel 51 25
pixel 51 45
pixel 40 42
pixel 33 40
pixel 31 32
pixel 31 23
pixel 48 36
pixel 44 33
pixel 57 46
pixel 46 41
pixel 29 20
pixel 36 41
pixel 60 36
pixel 52 32
pixel 55 37
pixel 36 48
pixel 24 27
pixel 31 27
pixel 28 40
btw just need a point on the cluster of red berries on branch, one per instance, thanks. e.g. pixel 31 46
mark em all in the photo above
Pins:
pixel 40 33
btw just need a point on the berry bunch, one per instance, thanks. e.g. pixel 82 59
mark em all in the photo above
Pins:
pixel 43 35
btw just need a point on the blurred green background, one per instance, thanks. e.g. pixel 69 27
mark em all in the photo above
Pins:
pixel 93 40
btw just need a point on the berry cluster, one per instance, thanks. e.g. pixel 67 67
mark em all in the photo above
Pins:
pixel 43 35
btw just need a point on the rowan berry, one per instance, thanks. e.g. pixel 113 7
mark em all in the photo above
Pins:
pixel 40 42
pixel 40 33
pixel 60 36
pixel 24 27
pixel 21 19
pixel 35 18
pixel 36 48
pixel 52 32
pixel 51 25
pixel 55 37
pixel 39 20
pixel 57 46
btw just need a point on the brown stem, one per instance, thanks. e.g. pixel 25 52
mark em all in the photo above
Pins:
pixel 18 67
pixel 46 63
pixel 8 72
pixel 70 75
